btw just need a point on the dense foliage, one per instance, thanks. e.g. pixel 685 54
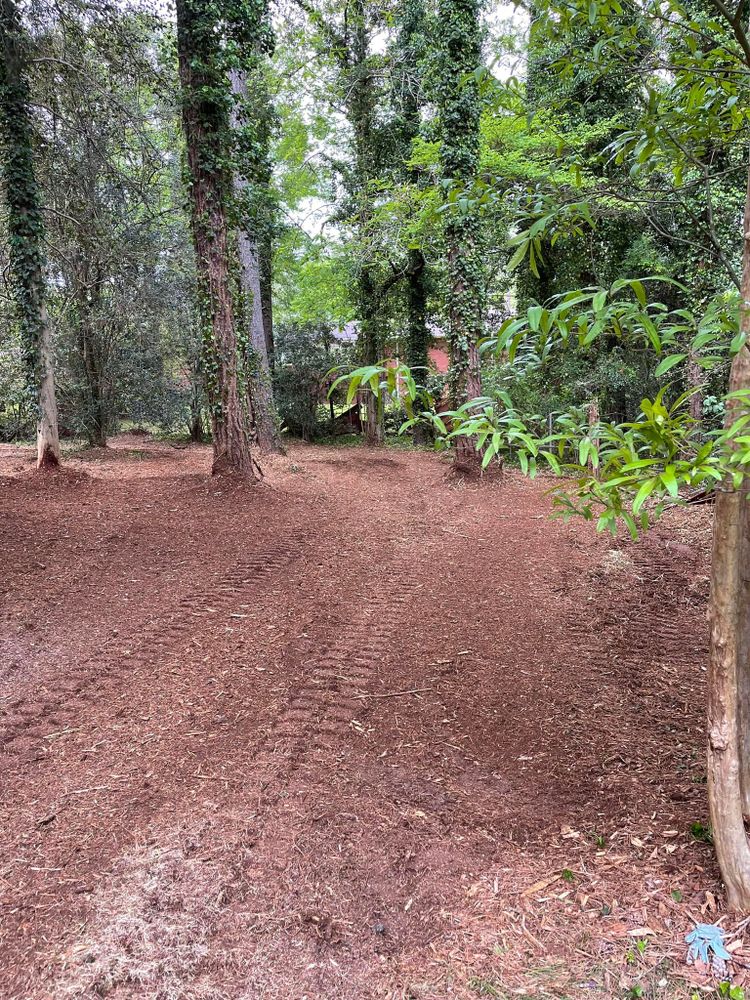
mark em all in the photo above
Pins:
pixel 405 174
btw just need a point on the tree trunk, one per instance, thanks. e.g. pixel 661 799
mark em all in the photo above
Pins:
pixel 261 386
pixel 460 106
pixel 418 335
pixel 196 427
pixel 25 227
pixel 47 438
pixel 729 667
pixel 87 290
pixel 374 431
pixel 205 122
pixel 361 108
pixel 465 360
pixel 259 370
pixel 265 251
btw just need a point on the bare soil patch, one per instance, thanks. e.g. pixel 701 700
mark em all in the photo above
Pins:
pixel 357 732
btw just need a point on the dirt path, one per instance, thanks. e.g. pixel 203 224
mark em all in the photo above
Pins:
pixel 357 733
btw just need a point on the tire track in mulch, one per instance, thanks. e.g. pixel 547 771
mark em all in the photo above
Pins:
pixel 30 715
pixel 647 647
pixel 332 690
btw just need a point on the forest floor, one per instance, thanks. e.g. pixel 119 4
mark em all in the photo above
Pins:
pixel 359 732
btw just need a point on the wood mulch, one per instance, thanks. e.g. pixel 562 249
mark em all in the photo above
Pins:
pixel 362 731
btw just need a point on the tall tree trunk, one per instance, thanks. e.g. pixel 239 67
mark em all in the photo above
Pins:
pixel 87 290
pixel 729 667
pixel 410 50
pixel 205 121
pixel 47 435
pixel 418 335
pixel 259 370
pixel 361 104
pixel 265 251
pixel 459 105
pixel 261 386
pixel 25 228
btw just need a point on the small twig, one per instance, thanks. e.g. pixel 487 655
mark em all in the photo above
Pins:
pixel 214 777
pixel 395 694
pixel 83 791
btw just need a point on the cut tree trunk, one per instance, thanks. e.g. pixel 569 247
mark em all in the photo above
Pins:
pixel 729 666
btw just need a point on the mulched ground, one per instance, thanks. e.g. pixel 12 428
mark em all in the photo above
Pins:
pixel 358 732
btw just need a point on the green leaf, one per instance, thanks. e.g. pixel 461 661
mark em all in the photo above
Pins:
pixel 644 493
pixel 640 292
pixel 669 479
pixel 669 362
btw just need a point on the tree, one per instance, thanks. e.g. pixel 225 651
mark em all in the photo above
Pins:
pixel 408 56
pixel 630 472
pixel 108 167
pixel 206 119
pixel 358 74
pixel 459 106
pixel 706 106
pixel 251 182
pixel 25 229
pixel 348 42
pixel 589 112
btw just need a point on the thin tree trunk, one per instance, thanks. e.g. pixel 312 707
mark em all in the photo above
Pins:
pixel 729 667
pixel 210 187
pixel 96 423
pixel 196 425
pixel 265 252
pixel 374 431
pixel 47 437
pixel 25 226
pixel 418 334
pixel 361 106
pixel 261 386
pixel 259 370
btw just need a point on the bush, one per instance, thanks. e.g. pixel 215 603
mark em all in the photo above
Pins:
pixel 305 354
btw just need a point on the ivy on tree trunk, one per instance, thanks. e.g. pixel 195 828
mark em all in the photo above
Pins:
pixel 253 225
pixel 206 105
pixel 459 107
pixel 361 105
pixel 26 231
